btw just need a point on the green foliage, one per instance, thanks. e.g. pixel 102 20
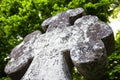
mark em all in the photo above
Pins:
pixel 17 19
pixel 5 78
pixel 21 17
pixel 114 60
pixel 116 8
pixel 99 8
pixel 76 75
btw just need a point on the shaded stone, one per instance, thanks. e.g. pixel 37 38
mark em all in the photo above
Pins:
pixel 109 43
pixel 97 30
pixel 90 56
pixel 62 19
pixel 71 40
pixel 21 57
pixel 90 60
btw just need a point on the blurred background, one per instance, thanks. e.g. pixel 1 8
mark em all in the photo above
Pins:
pixel 21 17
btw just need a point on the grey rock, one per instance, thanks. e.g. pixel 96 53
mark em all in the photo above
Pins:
pixel 65 18
pixel 90 60
pixel 21 56
pixel 69 41
pixel 90 56
pixel 97 30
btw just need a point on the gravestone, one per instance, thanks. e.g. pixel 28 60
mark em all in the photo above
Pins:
pixel 72 39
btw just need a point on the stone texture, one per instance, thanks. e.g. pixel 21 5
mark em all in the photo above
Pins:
pixel 21 56
pixel 90 55
pixel 71 40
pixel 65 18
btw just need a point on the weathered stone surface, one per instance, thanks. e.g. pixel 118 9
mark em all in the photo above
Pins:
pixel 21 56
pixel 97 30
pixel 90 56
pixel 62 19
pixel 90 60
pixel 68 41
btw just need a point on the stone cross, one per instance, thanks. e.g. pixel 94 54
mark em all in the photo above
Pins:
pixel 72 39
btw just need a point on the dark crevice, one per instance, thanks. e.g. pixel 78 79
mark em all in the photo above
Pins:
pixel 108 41
pixel 72 19
pixel 69 62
